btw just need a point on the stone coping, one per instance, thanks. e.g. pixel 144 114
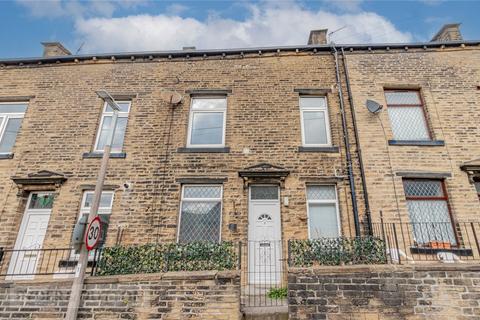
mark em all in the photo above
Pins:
pixel 181 275
pixel 386 268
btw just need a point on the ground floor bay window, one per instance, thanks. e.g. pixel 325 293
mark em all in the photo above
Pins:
pixel 322 208
pixel 200 213
pixel 429 212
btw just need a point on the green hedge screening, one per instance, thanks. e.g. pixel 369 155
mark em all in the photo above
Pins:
pixel 152 258
pixel 337 251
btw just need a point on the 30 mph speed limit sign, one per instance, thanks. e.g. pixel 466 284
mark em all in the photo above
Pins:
pixel 93 234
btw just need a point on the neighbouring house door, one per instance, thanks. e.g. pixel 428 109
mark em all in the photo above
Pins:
pixel 264 235
pixel 31 234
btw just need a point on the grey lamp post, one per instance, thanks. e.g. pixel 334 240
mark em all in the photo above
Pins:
pixel 77 285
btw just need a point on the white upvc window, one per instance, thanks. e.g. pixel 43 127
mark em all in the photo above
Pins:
pixel 121 127
pixel 206 126
pixel 104 210
pixel 322 211
pixel 315 121
pixel 11 115
pixel 200 213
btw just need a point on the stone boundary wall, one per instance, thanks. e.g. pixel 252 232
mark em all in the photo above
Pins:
pixel 171 295
pixel 440 292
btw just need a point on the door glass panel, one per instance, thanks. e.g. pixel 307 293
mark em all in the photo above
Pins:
pixel 264 192
pixel 323 220
pixel 41 201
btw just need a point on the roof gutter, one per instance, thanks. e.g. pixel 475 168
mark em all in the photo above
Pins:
pixel 237 51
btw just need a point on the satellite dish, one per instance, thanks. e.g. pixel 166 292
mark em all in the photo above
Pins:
pixel 171 97
pixel 373 106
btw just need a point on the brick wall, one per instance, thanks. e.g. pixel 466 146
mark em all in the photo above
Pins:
pixel 385 292
pixel 206 295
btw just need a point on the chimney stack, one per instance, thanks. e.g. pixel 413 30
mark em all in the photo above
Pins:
pixel 318 37
pixel 449 32
pixel 54 49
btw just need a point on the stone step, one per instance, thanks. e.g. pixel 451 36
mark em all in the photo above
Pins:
pixel 265 313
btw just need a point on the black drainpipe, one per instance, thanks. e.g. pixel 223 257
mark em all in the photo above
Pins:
pixel 357 141
pixel 351 178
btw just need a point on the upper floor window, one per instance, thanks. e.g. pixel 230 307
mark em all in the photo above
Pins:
pixel 207 122
pixel 200 213
pixel 322 209
pixel 407 115
pixel 105 124
pixel 315 124
pixel 429 212
pixel 11 115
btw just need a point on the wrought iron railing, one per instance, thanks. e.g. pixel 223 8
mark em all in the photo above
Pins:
pixel 263 263
pixel 27 263
pixel 392 243
pixel 264 273
pixel 429 241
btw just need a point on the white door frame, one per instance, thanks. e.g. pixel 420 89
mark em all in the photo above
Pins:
pixel 270 274
pixel 16 256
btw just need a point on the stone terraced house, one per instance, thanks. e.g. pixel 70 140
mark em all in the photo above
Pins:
pixel 267 145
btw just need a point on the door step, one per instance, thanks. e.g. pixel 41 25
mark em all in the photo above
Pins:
pixel 265 313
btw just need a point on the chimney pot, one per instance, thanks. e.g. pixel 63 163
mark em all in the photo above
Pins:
pixel 449 32
pixel 54 49
pixel 318 36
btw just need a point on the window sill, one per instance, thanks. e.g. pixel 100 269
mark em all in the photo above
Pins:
pixel 464 252
pixel 6 156
pixel 319 149
pixel 433 143
pixel 204 150
pixel 118 155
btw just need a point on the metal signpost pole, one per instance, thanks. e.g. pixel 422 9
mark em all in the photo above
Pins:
pixel 77 286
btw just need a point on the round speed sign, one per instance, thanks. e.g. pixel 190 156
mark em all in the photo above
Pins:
pixel 93 234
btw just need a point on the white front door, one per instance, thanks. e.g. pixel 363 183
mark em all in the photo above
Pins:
pixel 31 234
pixel 264 235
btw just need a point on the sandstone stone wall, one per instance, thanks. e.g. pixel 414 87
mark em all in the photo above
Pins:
pixel 185 295
pixel 447 80
pixel 385 292
pixel 262 125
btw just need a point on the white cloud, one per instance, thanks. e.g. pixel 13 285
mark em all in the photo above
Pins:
pixel 268 24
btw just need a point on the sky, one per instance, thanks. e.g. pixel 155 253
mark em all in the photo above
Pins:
pixel 104 26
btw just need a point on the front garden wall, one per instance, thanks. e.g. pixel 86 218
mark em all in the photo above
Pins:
pixel 440 292
pixel 172 295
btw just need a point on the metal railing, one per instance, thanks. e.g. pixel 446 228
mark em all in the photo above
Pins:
pixel 27 263
pixel 429 241
pixel 263 264
pixel 263 273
